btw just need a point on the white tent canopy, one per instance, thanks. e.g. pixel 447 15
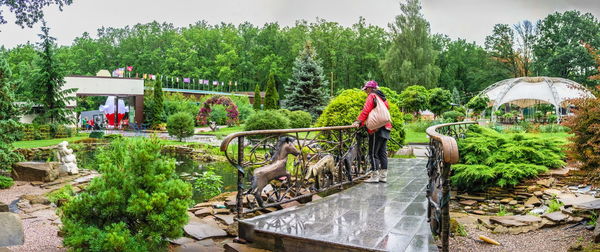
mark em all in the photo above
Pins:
pixel 528 91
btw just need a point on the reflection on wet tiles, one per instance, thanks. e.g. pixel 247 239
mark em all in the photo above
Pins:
pixel 394 242
pixel 421 243
pixel 377 216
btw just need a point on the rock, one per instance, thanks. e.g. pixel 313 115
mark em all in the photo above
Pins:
pixel 290 204
pixel 35 171
pixel 552 192
pixel 36 199
pixel 468 202
pixel 201 230
pixel 468 208
pixel 574 200
pixel 499 229
pixel 589 205
pixel 512 202
pixel 227 219
pixel 533 201
pixel 470 197
pixel 479 212
pixel 203 212
pixel 545 182
pixel 532 188
pixel 506 200
pixel 515 221
pixel 539 210
pixel 222 211
pixel 316 197
pixel 182 240
pixel 3 207
pixel 556 216
pixel 238 247
pixel 597 232
pixel 199 246
pixel 12 230
pixel 232 229
pixel 538 193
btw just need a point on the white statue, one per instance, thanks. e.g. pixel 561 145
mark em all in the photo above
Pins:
pixel 68 162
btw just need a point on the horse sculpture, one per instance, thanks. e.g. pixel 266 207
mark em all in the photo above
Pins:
pixel 318 170
pixel 276 169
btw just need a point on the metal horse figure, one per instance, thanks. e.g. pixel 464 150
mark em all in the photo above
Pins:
pixel 276 169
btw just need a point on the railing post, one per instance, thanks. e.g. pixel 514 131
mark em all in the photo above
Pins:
pixel 445 207
pixel 240 178
pixel 341 152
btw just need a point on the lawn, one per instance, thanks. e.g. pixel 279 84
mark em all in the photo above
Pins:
pixel 415 137
pixel 221 132
pixel 46 142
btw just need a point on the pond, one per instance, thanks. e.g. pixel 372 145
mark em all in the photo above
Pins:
pixel 188 169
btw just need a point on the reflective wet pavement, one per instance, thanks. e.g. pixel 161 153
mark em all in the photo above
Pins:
pixel 385 216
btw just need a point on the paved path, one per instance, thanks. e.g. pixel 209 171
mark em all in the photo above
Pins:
pixel 205 139
pixel 380 217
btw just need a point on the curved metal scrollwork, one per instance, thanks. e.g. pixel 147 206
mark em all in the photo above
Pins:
pixel 443 152
pixel 321 159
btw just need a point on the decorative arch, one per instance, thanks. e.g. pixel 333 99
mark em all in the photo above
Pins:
pixel 230 107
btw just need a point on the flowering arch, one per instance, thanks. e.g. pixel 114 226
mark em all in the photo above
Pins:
pixel 230 107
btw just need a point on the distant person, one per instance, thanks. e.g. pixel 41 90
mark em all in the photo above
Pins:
pixel 377 137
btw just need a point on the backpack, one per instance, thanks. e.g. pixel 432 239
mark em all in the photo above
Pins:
pixel 379 116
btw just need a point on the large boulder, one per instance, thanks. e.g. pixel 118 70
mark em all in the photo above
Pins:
pixel 597 232
pixel 12 230
pixel 35 171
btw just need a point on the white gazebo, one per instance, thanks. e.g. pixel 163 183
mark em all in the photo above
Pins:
pixel 528 91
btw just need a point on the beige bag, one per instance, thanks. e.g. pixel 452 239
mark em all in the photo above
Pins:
pixel 379 116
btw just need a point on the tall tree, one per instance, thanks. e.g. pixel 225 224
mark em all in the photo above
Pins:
pixel 411 58
pixel 558 51
pixel 439 101
pixel 501 45
pixel 9 125
pixel 414 99
pixel 525 40
pixel 271 94
pixel 50 81
pixel 307 89
pixel 29 12
pixel 158 107
pixel 257 98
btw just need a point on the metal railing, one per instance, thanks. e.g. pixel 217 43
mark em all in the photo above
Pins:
pixel 443 152
pixel 323 159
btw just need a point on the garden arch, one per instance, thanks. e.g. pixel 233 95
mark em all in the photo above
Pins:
pixel 230 107
pixel 528 91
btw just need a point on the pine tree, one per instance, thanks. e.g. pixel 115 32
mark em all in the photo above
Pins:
pixel 50 80
pixel 410 60
pixel 307 89
pixel 8 119
pixel 271 94
pixel 257 98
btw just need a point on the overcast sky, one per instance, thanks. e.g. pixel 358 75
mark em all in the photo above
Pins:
pixel 468 19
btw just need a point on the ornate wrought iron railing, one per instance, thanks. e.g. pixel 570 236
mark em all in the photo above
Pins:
pixel 321 159
pixel 443 152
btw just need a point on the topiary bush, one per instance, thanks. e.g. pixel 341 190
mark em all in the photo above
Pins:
pixel 489 158
pixel 300 119
pixel 96 134
pixel 218 114
pixel 453 116
pixel 180 125
pixel 345 108
pixel 136 205
pixel 5 182
pixel 267 119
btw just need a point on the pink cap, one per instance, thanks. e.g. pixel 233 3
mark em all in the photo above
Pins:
pixel 370 84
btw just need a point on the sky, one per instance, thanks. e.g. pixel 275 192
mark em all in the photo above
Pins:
pixel 468 19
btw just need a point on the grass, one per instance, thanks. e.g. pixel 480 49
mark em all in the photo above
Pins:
pixel 222 132
pixel 46 142
pixel 415 137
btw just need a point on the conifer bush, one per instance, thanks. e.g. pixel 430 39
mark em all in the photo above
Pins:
pixel 181 125
pixel 267 119
pixel 489 158
pixel 135 205
pixel 300 119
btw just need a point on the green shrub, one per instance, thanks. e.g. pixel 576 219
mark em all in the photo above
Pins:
pixel 452 116
pixel 136 205
pixel 64 193
pixel 553 128
pixel 267 119
pixel 478 104
pixel 489 158
pixel 244 107
pixel 285 113
pixel 345 108
pixel 408 118
pixel 96 134
pixel 554 206
pixel 180 125
pixel 177 102
pixel 209 184
pixel 5 182
pixel 300 119
pixel 552 118
pixel 218 114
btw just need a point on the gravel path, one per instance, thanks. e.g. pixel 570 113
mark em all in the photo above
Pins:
pixel 548 239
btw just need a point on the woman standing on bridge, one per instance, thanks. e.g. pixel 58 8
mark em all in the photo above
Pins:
pixel 377 137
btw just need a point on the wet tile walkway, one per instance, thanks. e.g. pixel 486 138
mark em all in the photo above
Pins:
pixel 385 216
